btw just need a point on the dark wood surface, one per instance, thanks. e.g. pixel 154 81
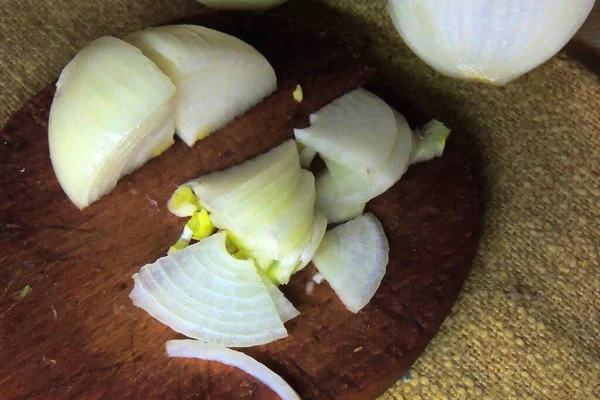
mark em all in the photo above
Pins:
pixel 77 335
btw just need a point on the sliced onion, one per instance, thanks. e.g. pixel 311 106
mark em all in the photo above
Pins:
pixel 342 192
pixel 353 259
pixel 211 352
pixel 204 293
pixel 284 307
pixel 267 203
pixel 329 202
pixel 113 111
pixel 489 40
pixel 319 228
pixel 357 130
pixel 218 76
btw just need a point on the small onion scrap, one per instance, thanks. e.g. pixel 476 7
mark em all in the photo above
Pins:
pixel 113 110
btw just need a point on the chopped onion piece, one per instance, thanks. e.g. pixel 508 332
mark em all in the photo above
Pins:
pixel 353 259
pixel 266 203
pixel 211 352
pixel 430 142
pixel 218 76
pixel 205 293
pixel 341 192
pixel 113 110
pixel 330 203
pixel 487 40
pixel 357 130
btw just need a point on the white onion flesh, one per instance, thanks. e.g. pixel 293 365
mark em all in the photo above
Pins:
pixel 284 307
pixel 113 110
pixel 488 40
pixel 319 228
pixel 342 192
pixel 211 352
pixel 242 4
pixel 357 130
pixel 267 203
pixel 353 259
pixel 218 77
pixel 204 293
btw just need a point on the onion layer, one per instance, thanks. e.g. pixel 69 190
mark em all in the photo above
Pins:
pixel 211 352
pixel 218 76
pixel 204 293
pixel 342 191
pixel 267 204
pixel 353 259
pixel 357 130
pixel 113 111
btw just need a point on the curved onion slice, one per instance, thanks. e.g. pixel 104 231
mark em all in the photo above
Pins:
pixel 218 76
pixel 490 40
pixel 319 228
pixel 211 352
pixel 329 203
pixel 353 258
pixel 342 192
pixel 204 293
pixel 112 111
pixel 357 130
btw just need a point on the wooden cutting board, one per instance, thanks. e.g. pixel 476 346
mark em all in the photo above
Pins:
pixel 77 334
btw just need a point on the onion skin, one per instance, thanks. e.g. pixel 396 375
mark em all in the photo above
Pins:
pixel 493 41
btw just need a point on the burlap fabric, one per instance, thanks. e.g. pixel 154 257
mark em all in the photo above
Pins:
pixel 527 324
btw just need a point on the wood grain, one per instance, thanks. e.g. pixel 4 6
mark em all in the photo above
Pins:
pixel 77 335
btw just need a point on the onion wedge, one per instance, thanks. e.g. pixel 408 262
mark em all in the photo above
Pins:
pixel 353 258
pixel 211 352
pixel 204 293
pixel 113 110
pixel 217 76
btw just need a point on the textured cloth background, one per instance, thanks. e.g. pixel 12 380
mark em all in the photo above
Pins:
pixel 527 324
